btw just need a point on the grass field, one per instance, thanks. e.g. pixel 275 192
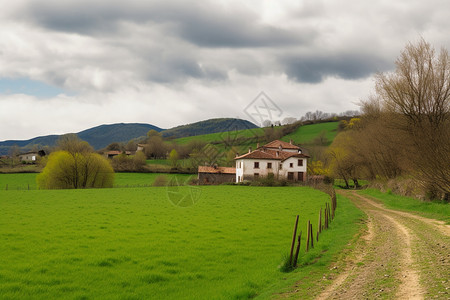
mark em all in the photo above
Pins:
pixel 302 135
pixel 222 136
pixel 21 181
pixel 134 243
pixel 308 133
pixel 435 210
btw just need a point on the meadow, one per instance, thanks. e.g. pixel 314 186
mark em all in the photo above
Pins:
pixel 133 243
pixel 23 181
pixel 307 133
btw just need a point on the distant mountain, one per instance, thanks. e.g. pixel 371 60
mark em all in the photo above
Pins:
pixel 101 136
pixel 208 126
pixel 98 137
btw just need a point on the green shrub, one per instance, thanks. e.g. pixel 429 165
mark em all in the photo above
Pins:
pixel 66 170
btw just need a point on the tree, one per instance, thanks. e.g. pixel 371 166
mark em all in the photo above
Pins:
pixel 75 166
pixel 14 152
pixel 289 120
pixel 155 147
pixel 75 171
pixel 416 100
pixel 173 157
pixel 73 144
pixel 114 147
pixel 131 146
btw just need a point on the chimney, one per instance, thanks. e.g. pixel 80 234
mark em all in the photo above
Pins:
pixel 278 153
pixel 237 154
pixel 249 149
pixel 280 148
pixel 257 145
pixel 290 142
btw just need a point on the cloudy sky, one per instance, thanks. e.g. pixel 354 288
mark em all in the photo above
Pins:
pixel 66 66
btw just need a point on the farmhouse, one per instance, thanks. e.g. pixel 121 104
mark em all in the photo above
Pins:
pixel 111 154
pixel 31 156
pixel 215 175
pixel 283 160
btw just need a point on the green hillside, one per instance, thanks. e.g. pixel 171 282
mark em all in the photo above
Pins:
pixel 208 127
pixel 307 133
pixel 249 137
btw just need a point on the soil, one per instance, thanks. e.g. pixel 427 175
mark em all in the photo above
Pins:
pixel 400 256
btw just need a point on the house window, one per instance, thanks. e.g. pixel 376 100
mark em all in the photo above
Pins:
pixel 290 175
pixel 256 165
pixel 300 163
pixel 239 179
pixel 291 165
pixel 269 165
pixel 256 175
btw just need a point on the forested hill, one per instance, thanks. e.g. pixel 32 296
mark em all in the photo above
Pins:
pixel 207 127
pixel 99 137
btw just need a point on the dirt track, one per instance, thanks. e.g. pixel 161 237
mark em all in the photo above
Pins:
pixel 401 256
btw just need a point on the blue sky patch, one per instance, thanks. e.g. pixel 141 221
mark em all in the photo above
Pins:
pixel 27 86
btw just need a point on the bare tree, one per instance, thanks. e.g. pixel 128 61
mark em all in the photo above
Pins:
pixel 416 99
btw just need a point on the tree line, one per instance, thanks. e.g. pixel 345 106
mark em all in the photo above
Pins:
pixel 404 129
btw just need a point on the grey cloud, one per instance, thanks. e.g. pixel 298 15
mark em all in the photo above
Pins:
pixel 315 68
pixel 203 25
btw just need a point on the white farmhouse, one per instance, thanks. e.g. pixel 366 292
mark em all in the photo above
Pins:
pixel 283 160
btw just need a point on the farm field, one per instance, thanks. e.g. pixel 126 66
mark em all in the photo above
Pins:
pixel 21 181
pixel 129 243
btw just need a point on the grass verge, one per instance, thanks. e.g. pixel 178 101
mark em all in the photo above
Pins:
pixel 430 209
pixel 317 266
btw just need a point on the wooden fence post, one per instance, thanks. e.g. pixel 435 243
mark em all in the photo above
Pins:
pixel 319 229
pixel 298 249
pixel 308 233
pixel 312 235
pixel 293 241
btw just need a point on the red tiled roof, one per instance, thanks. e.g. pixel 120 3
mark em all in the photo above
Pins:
pixel 220 170
pixel 278 143
pixel 262 153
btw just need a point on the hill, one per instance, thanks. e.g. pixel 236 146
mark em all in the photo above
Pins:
pixel 99 137
pixel 103 135
pixel 208 127
pixel 304 135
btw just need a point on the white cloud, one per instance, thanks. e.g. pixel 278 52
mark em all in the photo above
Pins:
pixel 170 63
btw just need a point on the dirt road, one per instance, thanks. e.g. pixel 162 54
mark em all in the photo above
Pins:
pixel 401 256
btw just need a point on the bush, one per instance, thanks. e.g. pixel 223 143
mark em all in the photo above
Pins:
pixel 160 180
pixel 66 170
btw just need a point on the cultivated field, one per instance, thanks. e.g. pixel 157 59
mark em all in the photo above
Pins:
pixel 133 243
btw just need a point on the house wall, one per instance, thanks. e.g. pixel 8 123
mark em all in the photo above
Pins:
pixel 295 168
pixel 245 169
pixel 28 157
pixel 215 178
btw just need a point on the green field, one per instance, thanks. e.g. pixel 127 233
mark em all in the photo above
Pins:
pixel 308 133
pixel 133 243
pixel 222 136
pixel 21 181
pixel 303 134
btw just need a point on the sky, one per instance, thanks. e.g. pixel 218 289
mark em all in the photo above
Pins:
pixel 70 65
